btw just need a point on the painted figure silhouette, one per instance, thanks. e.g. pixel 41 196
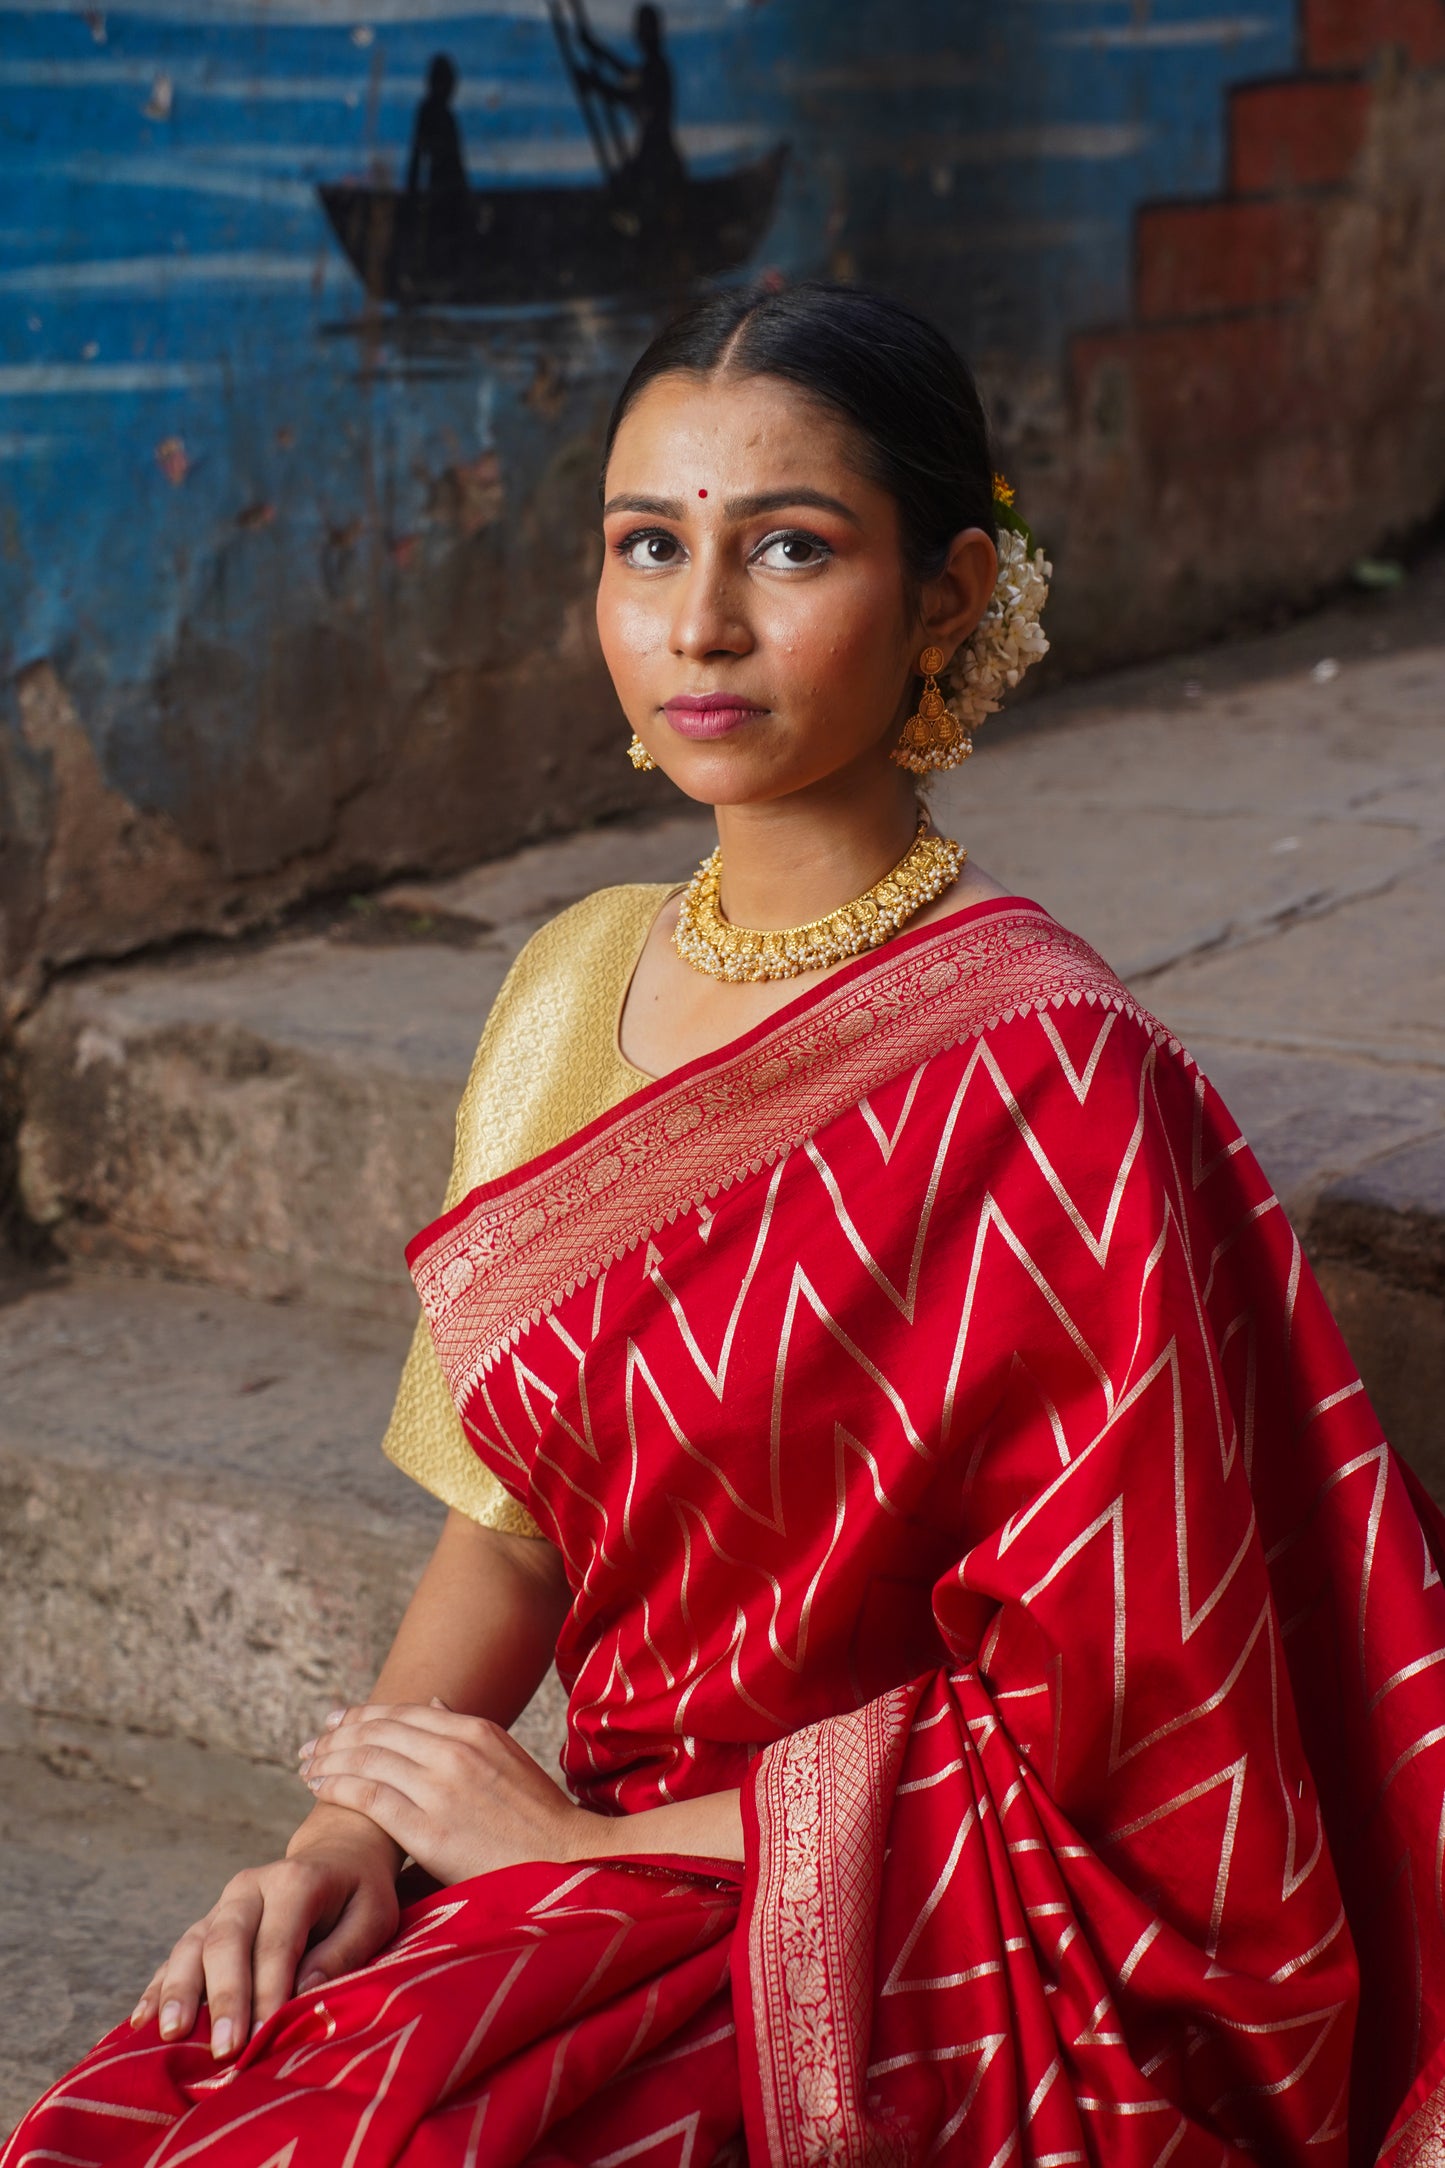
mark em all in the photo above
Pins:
pixel 643 89
pixel 437 166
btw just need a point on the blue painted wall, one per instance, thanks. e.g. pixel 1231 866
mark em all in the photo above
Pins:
pixel 253 525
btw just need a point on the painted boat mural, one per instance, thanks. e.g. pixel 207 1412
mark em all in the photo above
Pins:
pixel 646 226
pixel 517 246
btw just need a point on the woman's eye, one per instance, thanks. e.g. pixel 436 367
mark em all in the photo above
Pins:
pixel 792 552
pixel 655 551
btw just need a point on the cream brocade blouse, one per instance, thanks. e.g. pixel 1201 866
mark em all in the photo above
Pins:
pixel 548 1063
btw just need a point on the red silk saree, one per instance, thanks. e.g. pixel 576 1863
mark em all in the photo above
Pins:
pixel 948 1445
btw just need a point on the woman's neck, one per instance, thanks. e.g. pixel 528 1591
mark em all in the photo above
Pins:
pixel 789 860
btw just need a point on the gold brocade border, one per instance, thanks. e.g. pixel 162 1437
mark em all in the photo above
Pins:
pixel 1420 2143
pixel 821 1801
pixel 515 1247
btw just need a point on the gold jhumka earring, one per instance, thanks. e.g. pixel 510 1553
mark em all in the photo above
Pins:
pixel 933 737
pixel 638 754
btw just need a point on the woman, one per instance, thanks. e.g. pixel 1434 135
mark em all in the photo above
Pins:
pixel 1006 1718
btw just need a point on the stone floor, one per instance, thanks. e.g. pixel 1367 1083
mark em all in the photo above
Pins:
pixel 112 1846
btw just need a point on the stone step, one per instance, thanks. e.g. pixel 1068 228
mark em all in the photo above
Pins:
pixel 277 1119
pixel 114 1843
pixel 198 1534
pixel 278 1123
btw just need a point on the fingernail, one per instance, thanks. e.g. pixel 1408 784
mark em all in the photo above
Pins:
pixel 223 2032
pixel 334 1719
pixel 304 1753
pixel 171 2018
pixel 137 2016
pixel 311 1979
pixel 314 1784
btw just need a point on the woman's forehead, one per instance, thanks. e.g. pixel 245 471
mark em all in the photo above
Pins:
pixel 745 430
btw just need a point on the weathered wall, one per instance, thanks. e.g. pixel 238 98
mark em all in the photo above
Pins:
pixel 1275 406
pixel 294 583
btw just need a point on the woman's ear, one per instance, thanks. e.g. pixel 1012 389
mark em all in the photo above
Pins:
pixel 952 603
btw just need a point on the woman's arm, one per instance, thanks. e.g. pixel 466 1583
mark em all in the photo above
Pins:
pixel 429 1761
pixel 479 1633
pixel 482 1627
pixel 464 1799
pixel 707 1828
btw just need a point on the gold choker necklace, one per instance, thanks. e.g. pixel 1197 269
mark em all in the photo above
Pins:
pixel 704 939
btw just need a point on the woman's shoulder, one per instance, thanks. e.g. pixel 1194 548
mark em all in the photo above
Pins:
pixel 548 1061
pixel 1006 955
pixel 1052 1014
pixel 610 923
pixel 571 975
pixel 1075 1054
pixel 574 971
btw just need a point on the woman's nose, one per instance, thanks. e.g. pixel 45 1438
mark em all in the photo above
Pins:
pixel 709 618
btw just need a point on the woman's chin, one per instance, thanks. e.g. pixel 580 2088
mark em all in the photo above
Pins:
pixel 716 774
pixel 727 772
pixel 735 790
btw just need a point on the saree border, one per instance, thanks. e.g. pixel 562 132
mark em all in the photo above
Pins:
pixel 513 1248
pixel 816 1818
pixel 1419 2141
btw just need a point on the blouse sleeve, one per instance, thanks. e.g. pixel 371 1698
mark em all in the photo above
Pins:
pixel 547 1064
pixel 426 1439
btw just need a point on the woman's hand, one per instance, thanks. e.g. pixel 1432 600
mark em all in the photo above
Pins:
pixel 327 1907
pixel 463 1798
pixel 456 1792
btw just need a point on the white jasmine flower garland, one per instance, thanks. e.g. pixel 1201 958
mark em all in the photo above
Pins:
pixel 1007 638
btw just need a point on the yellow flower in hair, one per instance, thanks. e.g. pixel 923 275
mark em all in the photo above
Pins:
pixel 1003 491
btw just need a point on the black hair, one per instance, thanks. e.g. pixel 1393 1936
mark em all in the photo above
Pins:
pixel 908 394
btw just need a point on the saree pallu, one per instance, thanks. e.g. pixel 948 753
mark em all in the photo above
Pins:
pixel 949 1447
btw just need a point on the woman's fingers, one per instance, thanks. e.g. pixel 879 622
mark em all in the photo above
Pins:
pixel 413 1756
pixel 426 1716
pixel 176 1989
pixel 296 1901
pixel 226 1961
pixel 389 1728
pixel 150 1998
pixel 394 1752
pixel 366 1923
pixel 243 1957
pixel 392 1810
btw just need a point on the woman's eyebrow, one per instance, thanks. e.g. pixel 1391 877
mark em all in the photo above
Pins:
pixel 659 507
pixel 782 500
pixel 768 500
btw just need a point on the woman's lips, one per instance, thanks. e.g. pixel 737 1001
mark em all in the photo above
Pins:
pixel 709 715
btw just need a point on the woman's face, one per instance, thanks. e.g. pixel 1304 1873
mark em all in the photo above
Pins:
pixel 753 607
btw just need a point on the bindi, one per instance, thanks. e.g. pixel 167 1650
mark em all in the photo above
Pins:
pixel 702 492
